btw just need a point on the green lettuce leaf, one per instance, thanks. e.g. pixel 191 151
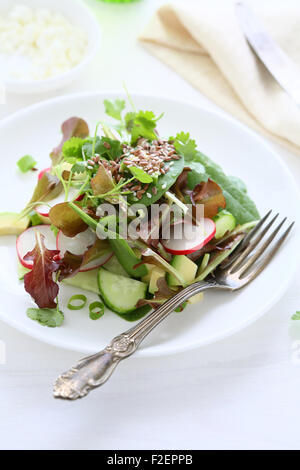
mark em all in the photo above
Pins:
pixel 238 201
pixel 163 184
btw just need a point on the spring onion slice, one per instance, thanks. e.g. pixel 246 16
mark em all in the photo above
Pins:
pixel 96 310
pixel 75 298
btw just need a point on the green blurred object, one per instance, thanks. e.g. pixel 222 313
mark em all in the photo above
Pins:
pixel 119 1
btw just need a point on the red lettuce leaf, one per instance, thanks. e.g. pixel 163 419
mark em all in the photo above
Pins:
pixel 48 188
pixel 214 247
pixel 64 218
pixel 163 294
pixel 73 127
pixel 211 196
pixel 102 182
pixel 207 193
pixel 181 186
pixel 69 265
pixel 164 291
pixel 39 281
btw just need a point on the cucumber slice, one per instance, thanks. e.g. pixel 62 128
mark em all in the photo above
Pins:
pixel 225 222
pixel 137 314
pixel 113 266
pixel 185 267
pixel 120 293
pixel 86 280
pixel 119 245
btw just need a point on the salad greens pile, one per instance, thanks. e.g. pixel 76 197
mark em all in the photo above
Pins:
pixel 123 163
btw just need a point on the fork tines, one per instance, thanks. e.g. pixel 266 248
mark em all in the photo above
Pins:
pixel 256 251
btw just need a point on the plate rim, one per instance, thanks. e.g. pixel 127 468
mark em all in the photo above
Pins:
pixel 220 114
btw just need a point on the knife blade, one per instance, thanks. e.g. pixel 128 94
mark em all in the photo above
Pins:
pixel 281 67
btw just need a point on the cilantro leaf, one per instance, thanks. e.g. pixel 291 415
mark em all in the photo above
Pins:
pixel 51 318
pixel 73 127
pixel 114 109
pixel 140 175
pixel 138 124
pixel 129 121
pixel 26 163
pixel 73 148
pixel 185 146
pixel 296 316
pixel 144 126
pixel 78 168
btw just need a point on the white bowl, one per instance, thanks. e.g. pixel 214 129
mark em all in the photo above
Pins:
pixel 78 14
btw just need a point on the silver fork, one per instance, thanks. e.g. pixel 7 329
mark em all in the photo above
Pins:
pixel 241 268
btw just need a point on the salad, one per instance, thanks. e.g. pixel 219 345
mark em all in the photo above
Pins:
pixel 127 214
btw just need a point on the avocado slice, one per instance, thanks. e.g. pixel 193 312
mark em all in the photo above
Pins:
pixel 11 224
pixel 185 267
pixel 195 299
pixel 156 273
pixel 150 268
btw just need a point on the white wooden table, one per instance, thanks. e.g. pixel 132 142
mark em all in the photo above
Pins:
pixel 242 393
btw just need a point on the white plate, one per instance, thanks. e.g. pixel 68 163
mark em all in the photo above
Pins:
pixel 36 131
pixel 78 14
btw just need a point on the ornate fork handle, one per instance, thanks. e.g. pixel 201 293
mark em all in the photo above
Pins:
pixel 93 371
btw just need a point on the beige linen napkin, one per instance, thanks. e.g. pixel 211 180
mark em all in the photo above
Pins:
pixel 202 40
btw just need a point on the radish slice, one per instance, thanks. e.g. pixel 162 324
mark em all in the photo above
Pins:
pixel 78 246
pixel 97 263
pixel 185 238
pixel 41 173
pixel 44 210
pixel 27 241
